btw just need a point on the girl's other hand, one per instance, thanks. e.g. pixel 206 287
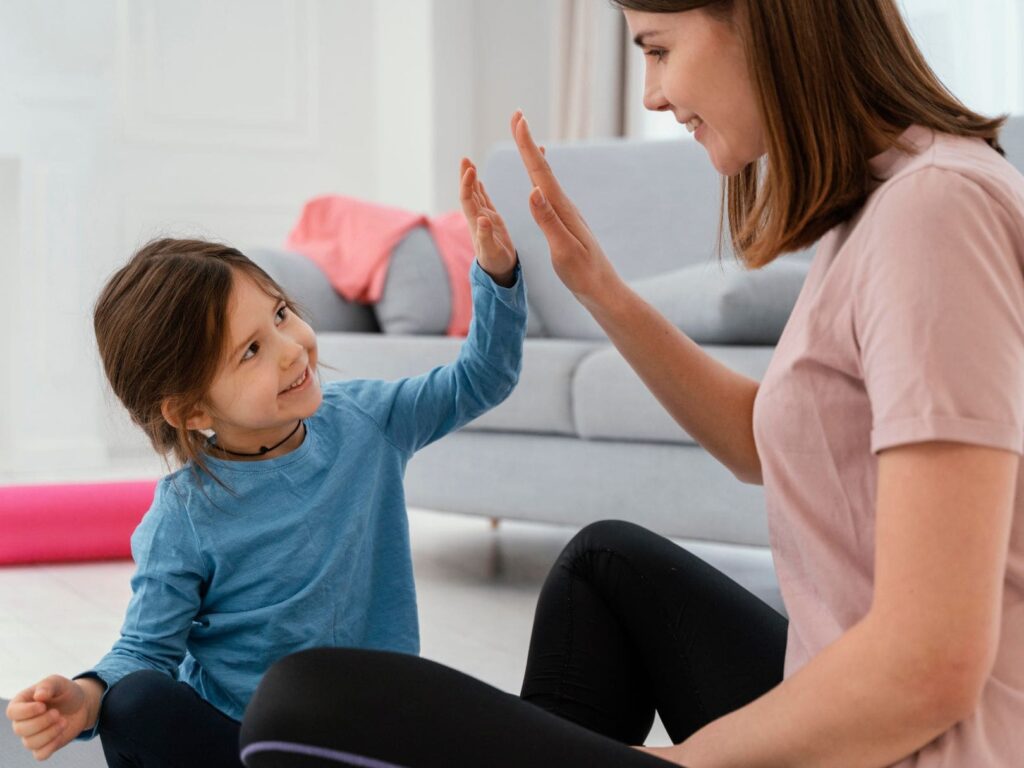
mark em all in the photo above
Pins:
pixel 491 241
pixel 576 255
pixel 52 712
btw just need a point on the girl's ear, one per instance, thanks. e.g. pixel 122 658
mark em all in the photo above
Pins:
pixel 199 419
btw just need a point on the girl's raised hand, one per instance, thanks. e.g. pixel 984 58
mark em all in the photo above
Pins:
pixel 51 713
pixel 491 241
pixel 576 255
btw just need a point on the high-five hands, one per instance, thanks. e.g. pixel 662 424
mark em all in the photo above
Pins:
pixel 576 255
pixel 494 250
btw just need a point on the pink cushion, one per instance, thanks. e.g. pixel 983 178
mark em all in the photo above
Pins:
pixel 52 523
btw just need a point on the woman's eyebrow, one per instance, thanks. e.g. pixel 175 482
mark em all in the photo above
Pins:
pixel 639 39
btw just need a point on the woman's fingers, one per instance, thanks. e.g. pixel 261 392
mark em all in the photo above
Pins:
pixel 542 176
pixel 560 238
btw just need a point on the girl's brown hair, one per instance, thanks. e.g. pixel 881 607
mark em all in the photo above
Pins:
pixel 161 327
pixel 833 79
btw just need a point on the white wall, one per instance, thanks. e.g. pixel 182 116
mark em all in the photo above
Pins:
pixel 124 119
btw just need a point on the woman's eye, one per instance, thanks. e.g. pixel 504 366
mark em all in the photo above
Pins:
pixel 253 349
pixel 282 313
pixel 657 53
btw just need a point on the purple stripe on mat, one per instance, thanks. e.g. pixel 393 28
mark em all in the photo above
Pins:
pixel 328 754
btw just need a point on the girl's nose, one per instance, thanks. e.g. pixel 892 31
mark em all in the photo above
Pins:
pixel 292 352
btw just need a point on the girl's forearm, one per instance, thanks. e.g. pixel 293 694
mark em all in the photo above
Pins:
pixel 93 690
pixel 860 703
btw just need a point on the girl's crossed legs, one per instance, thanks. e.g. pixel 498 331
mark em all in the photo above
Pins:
pixel 627 623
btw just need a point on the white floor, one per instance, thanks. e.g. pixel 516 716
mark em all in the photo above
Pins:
pixel 477 591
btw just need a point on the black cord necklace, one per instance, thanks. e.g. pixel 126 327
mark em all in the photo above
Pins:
pixel 263 449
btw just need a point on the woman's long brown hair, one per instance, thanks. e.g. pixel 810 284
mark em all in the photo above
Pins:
pixel 833 79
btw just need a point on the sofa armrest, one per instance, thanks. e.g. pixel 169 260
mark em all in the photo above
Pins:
pixel 307 285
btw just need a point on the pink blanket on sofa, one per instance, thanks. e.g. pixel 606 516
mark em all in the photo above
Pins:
pixel 352 240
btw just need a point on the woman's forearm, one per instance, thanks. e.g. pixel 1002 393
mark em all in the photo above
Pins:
pixel 861 703
pixel 714 404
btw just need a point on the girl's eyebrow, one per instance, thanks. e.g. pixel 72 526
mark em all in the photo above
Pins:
pixel 277 302
pixel 244 344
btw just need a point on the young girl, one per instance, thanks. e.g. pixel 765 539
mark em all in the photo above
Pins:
pixel 286 529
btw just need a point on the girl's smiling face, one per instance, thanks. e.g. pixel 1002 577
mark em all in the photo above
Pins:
pixel 267 379
pixel 696 68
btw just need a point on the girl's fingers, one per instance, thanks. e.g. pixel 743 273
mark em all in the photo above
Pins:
pixel 487 198
pixel 24 709
pixel 43 738
pixel 34 725
pixel 467 196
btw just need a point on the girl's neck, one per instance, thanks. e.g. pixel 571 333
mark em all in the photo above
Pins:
pixel 230 452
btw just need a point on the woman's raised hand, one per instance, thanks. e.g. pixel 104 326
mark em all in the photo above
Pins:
pixel 491 240
pixel 576 255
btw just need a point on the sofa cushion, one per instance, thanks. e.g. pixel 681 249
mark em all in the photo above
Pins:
pixel 417 296
pixel 726 303
pixel 321 305
pixel 417 293
pixel 610 402
pixel 540 402
pixel 653 206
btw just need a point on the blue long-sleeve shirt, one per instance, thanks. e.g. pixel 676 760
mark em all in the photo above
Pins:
pixel 313 547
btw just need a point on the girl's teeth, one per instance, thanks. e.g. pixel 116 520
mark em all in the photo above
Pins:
pixel 693 124
pixel 297 383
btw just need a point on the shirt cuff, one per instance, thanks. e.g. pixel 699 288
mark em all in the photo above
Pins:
pixel 512 295
pixel 91 732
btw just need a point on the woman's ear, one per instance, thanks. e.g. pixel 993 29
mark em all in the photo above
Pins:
pixel 199 419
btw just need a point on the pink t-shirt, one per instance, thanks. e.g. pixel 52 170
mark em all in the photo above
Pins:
pixel 909 328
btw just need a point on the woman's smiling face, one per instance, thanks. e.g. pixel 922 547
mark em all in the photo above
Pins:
pixel 696 68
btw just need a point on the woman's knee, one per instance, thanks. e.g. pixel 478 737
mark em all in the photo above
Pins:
pixel 610 536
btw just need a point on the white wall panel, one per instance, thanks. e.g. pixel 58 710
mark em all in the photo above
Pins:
pixel 233 72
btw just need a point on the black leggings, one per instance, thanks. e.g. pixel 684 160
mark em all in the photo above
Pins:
pixel 150 720
pixel 627 624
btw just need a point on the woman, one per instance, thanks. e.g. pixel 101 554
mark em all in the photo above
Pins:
pixel 886 431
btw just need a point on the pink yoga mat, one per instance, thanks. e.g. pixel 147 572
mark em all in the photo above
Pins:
pixel 67 522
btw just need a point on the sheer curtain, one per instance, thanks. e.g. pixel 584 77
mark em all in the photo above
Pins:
pixel 588 97
pixel 976 48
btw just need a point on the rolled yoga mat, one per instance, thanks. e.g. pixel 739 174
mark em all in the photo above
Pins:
pixel 69 522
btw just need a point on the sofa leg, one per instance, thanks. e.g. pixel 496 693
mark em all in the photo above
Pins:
pixel 495 521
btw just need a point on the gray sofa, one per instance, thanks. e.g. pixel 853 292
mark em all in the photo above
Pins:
pixel 581 438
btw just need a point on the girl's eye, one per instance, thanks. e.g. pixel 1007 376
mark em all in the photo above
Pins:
pixel 657 53
pixel 282 313
pixel 253 348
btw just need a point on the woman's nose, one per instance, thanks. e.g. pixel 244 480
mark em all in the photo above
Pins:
pixel 654 100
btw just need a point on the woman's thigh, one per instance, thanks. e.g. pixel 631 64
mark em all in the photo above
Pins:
pixel 629 622
pixel 375 709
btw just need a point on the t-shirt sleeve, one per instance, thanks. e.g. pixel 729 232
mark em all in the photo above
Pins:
pixel 167 586
pixel 939 315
